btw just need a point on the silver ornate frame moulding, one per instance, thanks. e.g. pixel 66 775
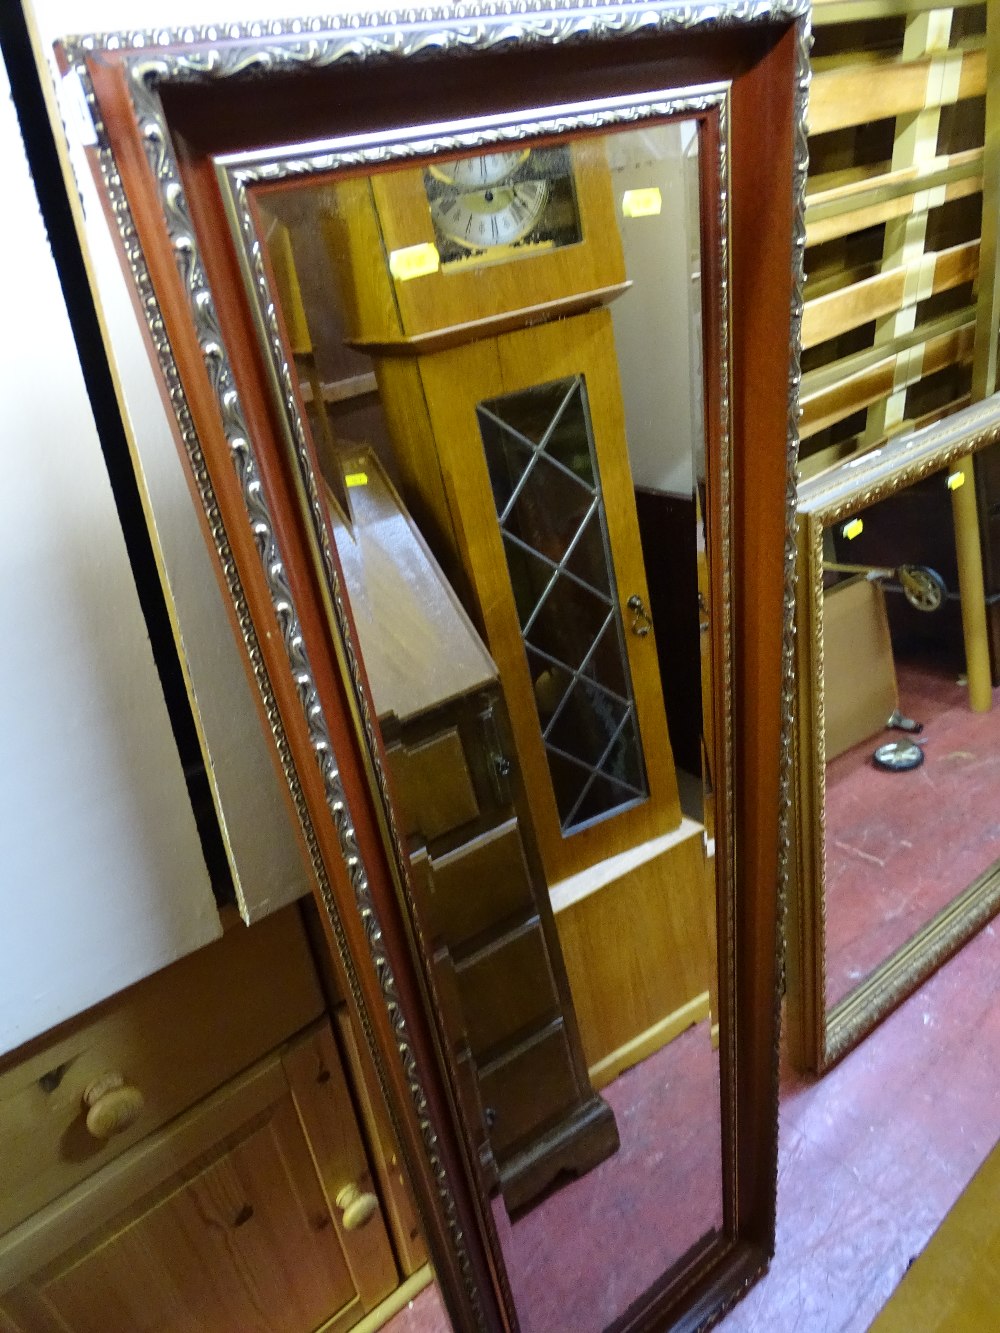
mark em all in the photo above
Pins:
pixel 824 1035
pixel 253 50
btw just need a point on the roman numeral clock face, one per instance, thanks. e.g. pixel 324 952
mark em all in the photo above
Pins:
pixel 502 205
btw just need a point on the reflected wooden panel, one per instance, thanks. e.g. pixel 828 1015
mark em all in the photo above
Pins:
pixel 663 885
pixel 514 362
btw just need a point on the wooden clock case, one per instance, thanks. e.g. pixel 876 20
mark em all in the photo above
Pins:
pixel 444 343
pixel 386 314
pixel 166 107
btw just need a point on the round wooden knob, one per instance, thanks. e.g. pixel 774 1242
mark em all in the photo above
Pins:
pixel 112 1106
pixel 357 1206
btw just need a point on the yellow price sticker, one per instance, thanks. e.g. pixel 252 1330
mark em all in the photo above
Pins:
pixel 356 478
pixel 414 261
pixel 955 479
pixel 647 203
pixel 853 529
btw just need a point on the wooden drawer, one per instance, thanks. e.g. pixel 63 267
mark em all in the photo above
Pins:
pixel 480 884
pixel 175 1037
pixel 529 1088
pixel 433 785
pixel 400 1208
pixel 506 988
pixel 227 1220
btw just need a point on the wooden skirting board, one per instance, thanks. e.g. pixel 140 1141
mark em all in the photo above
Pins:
pixel 649 1042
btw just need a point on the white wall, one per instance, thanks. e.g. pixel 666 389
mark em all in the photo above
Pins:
pixel 659 319
pixel 257 826
pixel 102 879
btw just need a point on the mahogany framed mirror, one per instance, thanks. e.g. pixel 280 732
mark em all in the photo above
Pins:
pixel 480 333
pixel 898 853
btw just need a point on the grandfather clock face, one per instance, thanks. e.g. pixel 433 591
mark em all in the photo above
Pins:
pixel 495 205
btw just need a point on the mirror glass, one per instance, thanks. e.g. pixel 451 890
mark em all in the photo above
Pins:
pixel 497 355
pixel 911 766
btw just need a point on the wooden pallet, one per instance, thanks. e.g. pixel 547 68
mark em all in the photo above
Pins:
pixel 898 278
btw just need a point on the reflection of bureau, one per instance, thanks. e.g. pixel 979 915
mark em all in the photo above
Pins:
pixel 498 966
pixel 223 1185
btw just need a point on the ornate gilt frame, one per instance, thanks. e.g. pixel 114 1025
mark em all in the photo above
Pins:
pixel 822 1035
pixel 148 63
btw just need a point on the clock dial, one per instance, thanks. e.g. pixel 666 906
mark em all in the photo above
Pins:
pixel 497 215
pixel 472 173
pixel 502 205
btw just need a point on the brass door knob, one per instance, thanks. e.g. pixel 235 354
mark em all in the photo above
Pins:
pixel 112 1106
pixel 357 1206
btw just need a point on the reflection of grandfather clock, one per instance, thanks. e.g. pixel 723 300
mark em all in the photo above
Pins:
pixel 479 286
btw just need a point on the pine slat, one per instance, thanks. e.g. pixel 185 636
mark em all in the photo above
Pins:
pixel 829 316
pixel 839 191
pixel 857 95
pixel 871 214
pixel 826 12
pixel 832 404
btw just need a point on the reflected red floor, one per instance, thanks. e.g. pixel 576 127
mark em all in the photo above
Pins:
pixel 653 1199
pixel 656 1197
pixel 901 846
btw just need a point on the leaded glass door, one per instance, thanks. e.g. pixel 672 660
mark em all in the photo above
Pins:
pixel 534 463
pixel 546 490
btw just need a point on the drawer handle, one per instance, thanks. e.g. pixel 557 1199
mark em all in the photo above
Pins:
pixel 112 1106
pixel 500 767
pixel 358 1207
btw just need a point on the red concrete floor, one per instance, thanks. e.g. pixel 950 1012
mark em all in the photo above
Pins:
pixel 871 1157
pixel 901 846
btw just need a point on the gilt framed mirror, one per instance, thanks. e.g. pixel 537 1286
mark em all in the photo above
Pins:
pixel 480 333
pixel 898 853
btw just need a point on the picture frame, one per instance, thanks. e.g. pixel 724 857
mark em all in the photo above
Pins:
pixel 822 1032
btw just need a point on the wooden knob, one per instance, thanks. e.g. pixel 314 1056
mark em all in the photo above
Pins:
pixel 112 1106
pixel 357 1207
